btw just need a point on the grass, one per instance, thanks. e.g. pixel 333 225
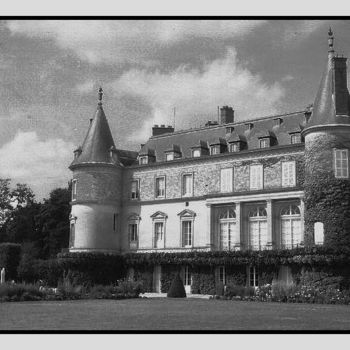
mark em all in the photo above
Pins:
pixel 171 314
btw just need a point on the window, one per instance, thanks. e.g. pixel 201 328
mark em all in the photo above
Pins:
pixel 226 177
pixel 187 184
pixel 74 190
pixel 234 147
pixel 160 187
pixel 288 174
pixel 341 163
pixel 222 275
pixel 214 150
pixel 319 233
pixel 295 138
pixel 159 235
pixel 253 276
pixel 187 279
pixel 169 156
pixel 115 222
pixel 228 231
pixel 196 153
pixel 143 160
pixel 134 189
pixel 265 143
pixel 72 235
pixel 256 177
pixel 258 228
pixel 133 232
pixel 290 227
pixel 186 233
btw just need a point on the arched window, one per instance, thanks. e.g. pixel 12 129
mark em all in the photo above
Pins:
pixel 290 226
pixel 257 228
pixel 228 231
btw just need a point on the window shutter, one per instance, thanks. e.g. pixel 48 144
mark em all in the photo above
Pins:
pixel 256 177
pixel 226 180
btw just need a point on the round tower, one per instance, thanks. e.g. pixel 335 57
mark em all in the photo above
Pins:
pixel 96 189
pixel 327 149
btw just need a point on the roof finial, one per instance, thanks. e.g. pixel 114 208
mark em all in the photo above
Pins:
pixel 100 94
pixel 330 40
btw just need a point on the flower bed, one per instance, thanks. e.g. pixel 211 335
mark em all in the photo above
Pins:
pixel 288 293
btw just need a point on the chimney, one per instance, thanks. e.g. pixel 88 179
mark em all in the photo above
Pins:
pixel 161 129
pixel 226 115
pixel 340 86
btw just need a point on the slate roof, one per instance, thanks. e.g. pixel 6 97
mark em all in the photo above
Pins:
pixel 98 142
pixel 324 107
pixel 187 139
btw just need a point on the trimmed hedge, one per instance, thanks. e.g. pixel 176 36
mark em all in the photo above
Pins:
pixel 313 256
pixel 177 289
pixel 10 255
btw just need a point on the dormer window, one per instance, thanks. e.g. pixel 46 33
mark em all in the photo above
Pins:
pixel 169 156
pixel 172 153
pixel 235 147
pixel 264 143
pixel 218 146
pixel 196 153
pixel 215 150
pixel 295 138
pixel 200 149
pixel 143 160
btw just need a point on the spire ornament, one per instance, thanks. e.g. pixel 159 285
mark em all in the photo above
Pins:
pixel 100 94
pixel 330 40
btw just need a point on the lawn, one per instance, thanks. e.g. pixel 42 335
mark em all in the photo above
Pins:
pixel 171 314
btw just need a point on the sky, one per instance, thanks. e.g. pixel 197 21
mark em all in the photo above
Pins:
pixel 50 71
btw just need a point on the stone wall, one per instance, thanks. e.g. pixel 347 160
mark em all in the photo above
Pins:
pixel 206 175
pixel 101 184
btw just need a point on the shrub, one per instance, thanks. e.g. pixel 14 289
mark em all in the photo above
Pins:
pixel 20 292
pixel 177 289
pixel 10 255
pixel 282 291
pixel 130 287
pixel 92 268
pixel 219 289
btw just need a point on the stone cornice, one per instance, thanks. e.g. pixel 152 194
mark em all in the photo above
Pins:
pixel 324 127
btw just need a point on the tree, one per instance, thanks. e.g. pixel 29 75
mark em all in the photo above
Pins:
pixel 5 199
pixel 22 195
pixel 53 222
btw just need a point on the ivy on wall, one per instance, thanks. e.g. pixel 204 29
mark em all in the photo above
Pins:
pixel 327 199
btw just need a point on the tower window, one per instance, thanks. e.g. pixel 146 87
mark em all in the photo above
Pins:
pixel 341 163
pixel 74 190
pixel 115 222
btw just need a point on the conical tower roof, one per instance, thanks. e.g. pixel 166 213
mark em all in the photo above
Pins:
pixel 98 146
pixel 332 100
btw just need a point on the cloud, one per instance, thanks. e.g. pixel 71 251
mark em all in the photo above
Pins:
pixel 42 164
pixel 196 93
pixel 127 41
pixel 300 30
pixel 87 87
